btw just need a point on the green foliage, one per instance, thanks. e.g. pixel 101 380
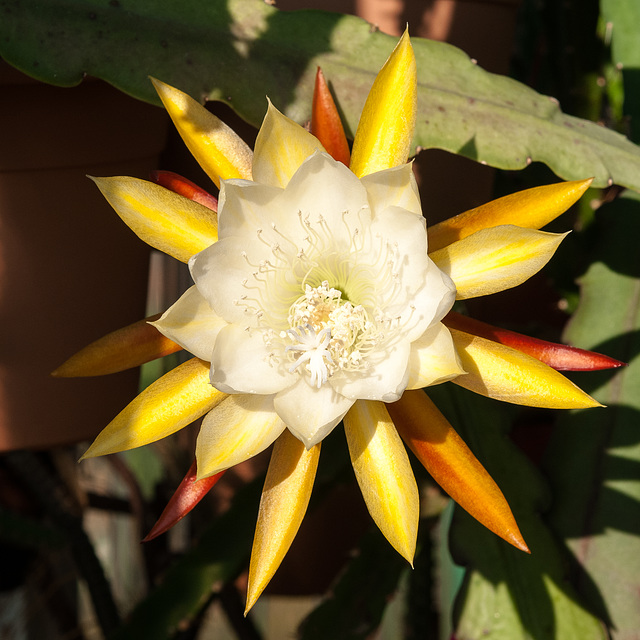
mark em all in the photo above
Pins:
pixel 594 458
pixel 508 594
pixel 239 51
pixel 219 556
pixel 357 602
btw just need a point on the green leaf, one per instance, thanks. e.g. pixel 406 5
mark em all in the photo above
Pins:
pixel 622 18
pixel 221 553
pixel 354 608
pixel 507 594
pixel 594 457
pixel 239 51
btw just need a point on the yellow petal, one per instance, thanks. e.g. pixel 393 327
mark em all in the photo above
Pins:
pixel 384 474
pixel 284 501
pixel 495 259
pixel 122 349
pixel 216 147
pixel 532 208
pixel 281 147
pixel 452 465
pixel 385 130
pixel 161 218
pixel 503 373
pixel 433 358
pixel 170 403
pixel 240 428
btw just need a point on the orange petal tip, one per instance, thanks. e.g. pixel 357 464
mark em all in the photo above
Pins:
pixel 188 494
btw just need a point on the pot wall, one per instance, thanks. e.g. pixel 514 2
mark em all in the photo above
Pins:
pixel 70 270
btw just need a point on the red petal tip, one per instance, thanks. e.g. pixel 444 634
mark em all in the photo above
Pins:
pixel 183 187
pixel 186 497
pixel 558 356
pixel 325 122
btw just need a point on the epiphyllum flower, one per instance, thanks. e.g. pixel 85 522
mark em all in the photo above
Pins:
pixel 317 299
pixel 318 293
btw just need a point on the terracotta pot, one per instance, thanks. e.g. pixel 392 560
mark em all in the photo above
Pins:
pixel 70 270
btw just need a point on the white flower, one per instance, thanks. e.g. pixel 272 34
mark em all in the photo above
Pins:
pixel 315 292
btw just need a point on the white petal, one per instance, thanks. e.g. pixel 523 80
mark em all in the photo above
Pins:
pixel 311 413
pixel 314 203
pixel 191 323
pixel 393 188
pixel 223 275
pixel 385 380
pixel 281 147
pixel 438 296
pixel 324 187
pixel 433 358
pixel 424 294
pixel 242 205
pixel 237 429
pixel 241 363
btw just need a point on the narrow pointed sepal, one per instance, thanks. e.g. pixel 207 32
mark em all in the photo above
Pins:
pixel 240 428
pixel 285 497
pixel 384 134
pixel 502 373
pixel 169 404
pixel 119 350
pixel 185 188
pixel 532 208
pixel 281 147
pixel 219 150
pixel 384 474
pixel 163 219
pixel 560 357
pixel 452 465
pixel 495 259
pixel 188 494
pixel 325 122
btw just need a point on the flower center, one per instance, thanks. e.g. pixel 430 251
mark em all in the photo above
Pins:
pixel 328 333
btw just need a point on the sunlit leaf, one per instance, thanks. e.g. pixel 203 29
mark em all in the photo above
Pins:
pixel 594 460
pixel 507 594
pixel 260 51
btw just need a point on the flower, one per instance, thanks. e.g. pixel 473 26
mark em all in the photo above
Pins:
pixel 318 298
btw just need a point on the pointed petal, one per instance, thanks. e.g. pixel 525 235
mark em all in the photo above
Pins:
pixel 187 496
pixel 395 187
pixel 311 413
pixel 452 465
pixel 284 501
pixel 384 474
pixel 325 121
pixel 560 357
pixel 532 208
pixel 241 363
pixel 242 205
pixel 241 427
pixel 122 349
pixel 185 188
pixel 388 118
pixel 191 323
pixel 385 378
pixel 495 259
pixel 170 403
pixel 503 373
pixel 216 147
pixel 281 147
pixel 433 358
pixel 161 218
